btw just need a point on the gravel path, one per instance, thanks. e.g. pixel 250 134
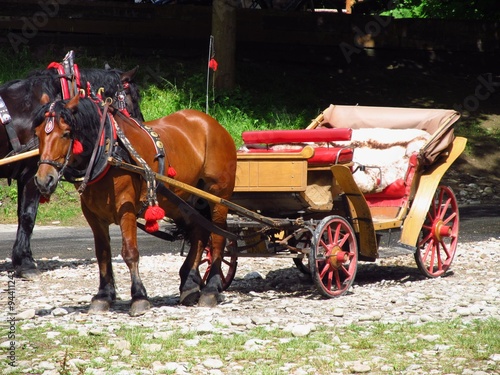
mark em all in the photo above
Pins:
pixel 266 292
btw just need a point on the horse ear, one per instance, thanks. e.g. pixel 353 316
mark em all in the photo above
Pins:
pixel 44 99
pixel 73 103
pixel 127 76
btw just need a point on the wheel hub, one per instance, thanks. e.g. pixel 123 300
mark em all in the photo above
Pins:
pixel 337 257
pixel 441 230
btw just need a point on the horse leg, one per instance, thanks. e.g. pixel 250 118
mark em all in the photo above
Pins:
pixel 190 275
pixel 130 255
pixel 210 294
pixel 106 294
pixel 27 207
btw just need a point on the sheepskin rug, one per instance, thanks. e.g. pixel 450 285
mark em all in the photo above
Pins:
pixel 381 156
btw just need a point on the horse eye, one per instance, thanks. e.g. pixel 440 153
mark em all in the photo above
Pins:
pixel 66 135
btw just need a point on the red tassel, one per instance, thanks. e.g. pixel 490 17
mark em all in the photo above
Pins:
pixel 171 171
pixel 77 147
pixel 212 64
pixel 152 226
pixel 44 199
pixel 154 213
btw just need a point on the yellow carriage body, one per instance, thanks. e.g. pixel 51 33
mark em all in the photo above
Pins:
pixel 286 184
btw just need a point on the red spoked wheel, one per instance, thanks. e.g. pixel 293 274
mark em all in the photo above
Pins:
pixel 439 237
pixel 303 241
pixel 334 256
pixel 228 266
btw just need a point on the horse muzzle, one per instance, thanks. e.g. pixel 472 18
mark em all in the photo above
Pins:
pixel 46 179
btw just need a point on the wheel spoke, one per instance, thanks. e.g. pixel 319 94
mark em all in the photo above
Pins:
pixel 338 283
pixel 346 272
pixel 446 249
pixel 452 216
pixel 324 270
pixel 325 248
pixel 428 250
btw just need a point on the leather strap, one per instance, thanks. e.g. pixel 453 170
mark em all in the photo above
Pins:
pixel 86 178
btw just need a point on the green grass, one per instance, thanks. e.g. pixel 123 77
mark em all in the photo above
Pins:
pixel 63 207
pixel 328 349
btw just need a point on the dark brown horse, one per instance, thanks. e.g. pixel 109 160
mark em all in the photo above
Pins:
pixel 199 149
pixel 21 100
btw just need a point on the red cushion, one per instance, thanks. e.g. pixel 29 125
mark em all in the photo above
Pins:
pixel 297 136
pixel 395 190
pixel 322 155
pixel 331 155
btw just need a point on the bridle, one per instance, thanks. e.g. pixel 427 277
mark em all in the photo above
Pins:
pixel 49 126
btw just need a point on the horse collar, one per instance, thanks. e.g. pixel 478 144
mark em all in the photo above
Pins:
pixel 69 73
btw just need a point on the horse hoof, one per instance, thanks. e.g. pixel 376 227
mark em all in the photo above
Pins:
pixel 139 307
pixel 28 273
pixel 190 297
pixel 208 300
pixel 99 306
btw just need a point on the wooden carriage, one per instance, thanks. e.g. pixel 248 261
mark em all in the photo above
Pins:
pixel 309 176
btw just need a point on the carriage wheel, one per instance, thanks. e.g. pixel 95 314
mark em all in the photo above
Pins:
pixel 439 237
pixel 334 256
pixel 303 241
pixel 228 266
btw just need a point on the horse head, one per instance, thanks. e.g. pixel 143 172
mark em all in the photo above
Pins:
pixel 53 127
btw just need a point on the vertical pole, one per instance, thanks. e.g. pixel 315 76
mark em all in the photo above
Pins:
pixel 210 48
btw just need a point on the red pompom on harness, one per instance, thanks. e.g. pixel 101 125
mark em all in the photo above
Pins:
pixel 77 147
pixel 152 215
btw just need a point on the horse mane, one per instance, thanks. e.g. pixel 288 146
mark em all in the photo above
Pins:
pixel 108 79
pixel 26 92
pixel 84 122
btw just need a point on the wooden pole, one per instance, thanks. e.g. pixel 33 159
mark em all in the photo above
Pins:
pixel 202 194
pixel 22 156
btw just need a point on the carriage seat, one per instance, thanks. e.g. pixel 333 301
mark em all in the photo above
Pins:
pixel 274 141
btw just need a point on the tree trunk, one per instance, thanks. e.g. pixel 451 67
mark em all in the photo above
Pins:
pixel 224 32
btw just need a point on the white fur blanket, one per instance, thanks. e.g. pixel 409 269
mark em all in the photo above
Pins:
pixel 382 155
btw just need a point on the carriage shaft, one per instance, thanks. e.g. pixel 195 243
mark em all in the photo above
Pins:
pixel 203 194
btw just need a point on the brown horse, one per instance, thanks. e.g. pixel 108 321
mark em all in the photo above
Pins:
pixel 199 149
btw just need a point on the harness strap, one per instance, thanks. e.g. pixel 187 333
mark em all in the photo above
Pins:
pixel 148 172
pixel 6 120
pixel 86 178
pixel 5 117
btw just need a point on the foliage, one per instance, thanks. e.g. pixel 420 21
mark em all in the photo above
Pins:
pixel 451 9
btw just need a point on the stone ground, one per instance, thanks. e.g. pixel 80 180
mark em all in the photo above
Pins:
pixel 270 293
